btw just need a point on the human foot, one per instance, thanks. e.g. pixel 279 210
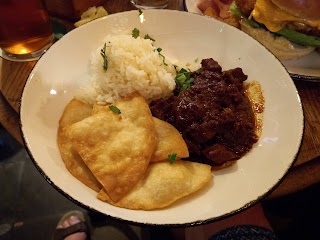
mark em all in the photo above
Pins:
pixel 72 226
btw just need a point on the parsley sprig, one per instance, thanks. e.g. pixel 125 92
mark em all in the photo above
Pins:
pixel 147 36
pixel 161 55
pixel 104 56
pixel 172 157
pixel 136 33
pixel 114 109
pixel 183 81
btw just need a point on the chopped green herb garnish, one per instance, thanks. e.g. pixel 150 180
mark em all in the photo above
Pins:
pixel 147 36
pixel 135 32
pixel 140 12
pixel 180 79
pixel 104 56
pixel 172 157
pixel 163 57
pixel 114 109
pixel 196 60
pixel 183 80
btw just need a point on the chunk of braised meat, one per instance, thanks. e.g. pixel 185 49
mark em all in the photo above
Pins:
pixel 214 115
pixel 220 153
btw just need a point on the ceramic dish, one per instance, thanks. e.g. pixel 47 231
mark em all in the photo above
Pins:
pixel 306 68
pixel 64 68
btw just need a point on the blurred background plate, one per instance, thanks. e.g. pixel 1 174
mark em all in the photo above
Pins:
pixel 306 68
pixel 63 69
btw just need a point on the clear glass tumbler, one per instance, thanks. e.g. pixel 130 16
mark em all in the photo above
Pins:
pixel 25 30
pixel 150 4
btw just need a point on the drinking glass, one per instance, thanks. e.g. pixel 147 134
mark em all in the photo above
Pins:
pixel 150 4
pixel 25 30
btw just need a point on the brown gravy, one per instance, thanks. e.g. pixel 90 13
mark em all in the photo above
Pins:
pixel 214 115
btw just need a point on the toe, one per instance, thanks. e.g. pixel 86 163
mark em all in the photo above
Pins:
pixel 65 224
pixel 73 220
pixel 60 226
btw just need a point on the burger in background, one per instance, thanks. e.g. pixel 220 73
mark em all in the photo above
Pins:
pixel 290 29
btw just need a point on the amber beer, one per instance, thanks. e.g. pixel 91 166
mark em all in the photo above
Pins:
pixel 25 28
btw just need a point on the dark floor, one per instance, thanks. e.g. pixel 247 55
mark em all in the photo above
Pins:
pixel 30 207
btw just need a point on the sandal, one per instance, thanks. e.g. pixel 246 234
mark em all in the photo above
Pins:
pixel 82 226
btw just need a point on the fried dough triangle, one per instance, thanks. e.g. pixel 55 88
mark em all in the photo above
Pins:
pixel 75 111
pixel 117 147
pixel 163 184
pixel 169 141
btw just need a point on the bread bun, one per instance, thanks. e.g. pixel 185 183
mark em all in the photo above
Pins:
pixel 282 48
pixel 300 8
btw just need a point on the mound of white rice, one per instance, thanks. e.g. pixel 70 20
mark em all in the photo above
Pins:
pixel 134 64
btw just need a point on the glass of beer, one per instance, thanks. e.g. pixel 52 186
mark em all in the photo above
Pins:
pixel 150 4
pixel 25 30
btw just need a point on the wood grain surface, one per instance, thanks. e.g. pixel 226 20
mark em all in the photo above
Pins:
pixel 306 170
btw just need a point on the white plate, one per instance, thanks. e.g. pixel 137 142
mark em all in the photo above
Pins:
pixel 64 68
pixel 306 68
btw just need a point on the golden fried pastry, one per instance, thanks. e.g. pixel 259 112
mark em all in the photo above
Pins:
pixel 169 141
pixel 75 111
pixel 98 108
pixel 117 144
pixel 163 184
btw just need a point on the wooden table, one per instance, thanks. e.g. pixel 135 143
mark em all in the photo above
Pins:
pixel 305 172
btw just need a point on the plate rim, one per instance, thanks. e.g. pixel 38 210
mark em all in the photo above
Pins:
pixel 307 78
pixel 187 224
pixel 190 224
